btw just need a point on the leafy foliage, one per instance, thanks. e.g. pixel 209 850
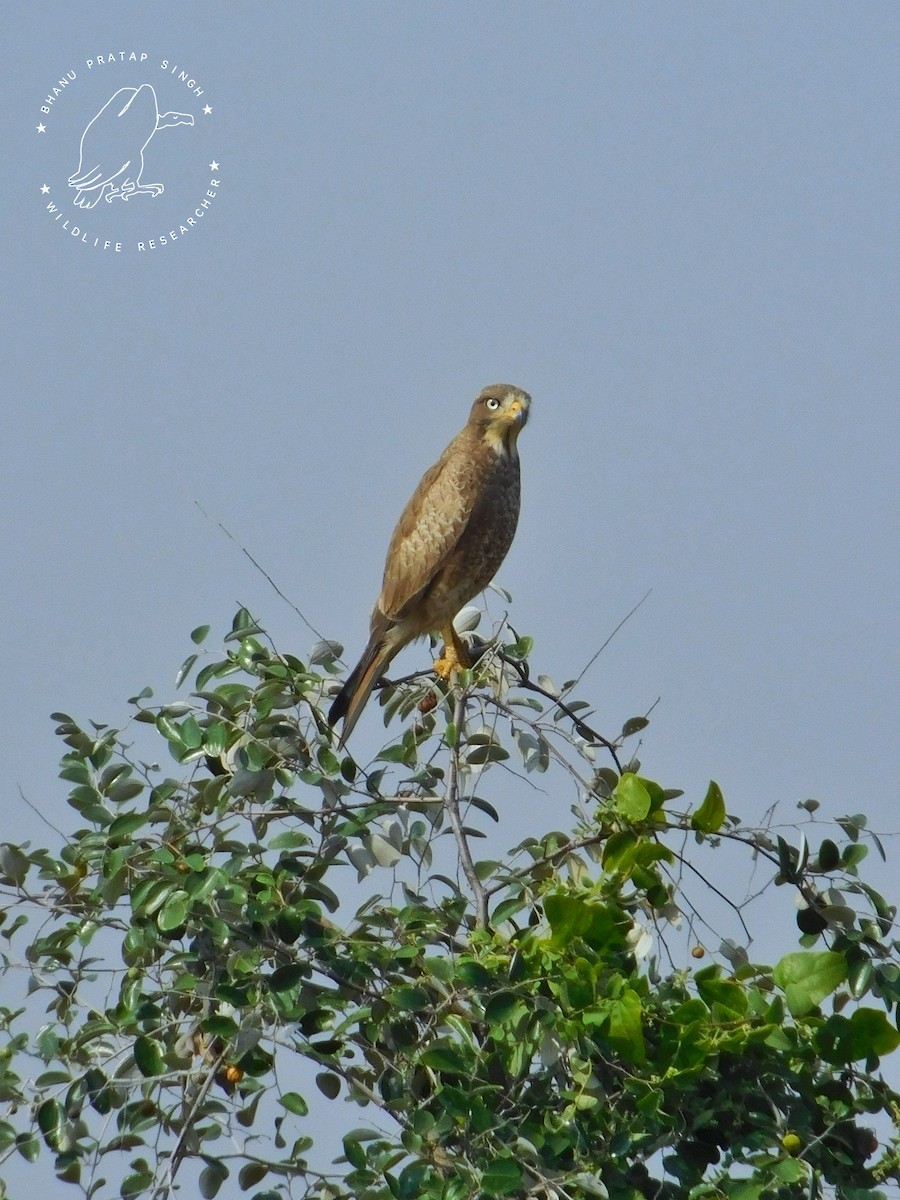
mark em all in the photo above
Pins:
pixel 275 929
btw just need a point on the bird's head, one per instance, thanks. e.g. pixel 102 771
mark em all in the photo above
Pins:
pixel 499 413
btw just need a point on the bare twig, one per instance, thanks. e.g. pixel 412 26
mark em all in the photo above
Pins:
pixel 451 803
pixel 590 662
pixel 553 859
pixel 165 1187
pixel 265 574
pixel 581 726
pixel 38 812
pixel 736 908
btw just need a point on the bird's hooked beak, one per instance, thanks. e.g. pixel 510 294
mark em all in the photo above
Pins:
pixel 517 411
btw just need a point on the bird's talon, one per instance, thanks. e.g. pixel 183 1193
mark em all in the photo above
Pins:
pixel 444 668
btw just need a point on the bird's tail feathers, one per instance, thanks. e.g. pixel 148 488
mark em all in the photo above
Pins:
pixel 351 699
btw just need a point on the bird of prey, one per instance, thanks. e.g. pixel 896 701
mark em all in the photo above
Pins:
pixel 448 545
pixel 113 145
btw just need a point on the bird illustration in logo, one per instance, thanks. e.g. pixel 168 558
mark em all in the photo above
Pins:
pixel 113 145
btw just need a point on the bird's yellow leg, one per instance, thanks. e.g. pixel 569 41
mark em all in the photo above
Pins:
pixel 454 657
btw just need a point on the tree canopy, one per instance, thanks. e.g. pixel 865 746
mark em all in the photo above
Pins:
pixel 230 948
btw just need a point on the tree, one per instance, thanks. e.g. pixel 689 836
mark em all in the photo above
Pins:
pixel 543 1025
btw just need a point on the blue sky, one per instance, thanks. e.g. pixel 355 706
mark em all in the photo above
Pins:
pixel 674 224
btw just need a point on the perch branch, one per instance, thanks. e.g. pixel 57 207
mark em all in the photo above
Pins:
pixel 451 803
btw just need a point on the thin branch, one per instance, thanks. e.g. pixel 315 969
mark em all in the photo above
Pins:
pixel 581 727
pixel 590 662
pixel 178 1154
pixel 553 859
pixel 243 549
pixel 36 810
pixel 547 731
pixel 451 803
pixel 736 908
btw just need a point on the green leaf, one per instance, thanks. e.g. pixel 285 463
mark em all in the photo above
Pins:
pixel 191 733
pixel 602 926
pixel 632 798
pixel 456 1188
pixel 567 916
pixel 829 856
pixel 168 728
pixel 198 635
pixel 392 754
pixel 440 968
pixel 353 1151
pixel 49 1079
pixel 124 826
pixel 790 1170
pixel 625 1030
pixel 745 1189
pixel 853 856
pixel 478 756
pixel 619 851
pixel 125 789
pixel 788 860
pixel 867 1034
pixel 503 1175
pixel 723 994
pixel 412 1180
pixel 473 974
pixel 410 999
pixel 807 978
pixel 294 1103
pixel 505 909
pixel 283 979
pixel 28 1146
pixel 212 1177
pixel 710 816
pixel 445 1058
pixel 219 1025
pixel 634 725
pixel 250 1174
pixel 50 1117
pixel 14 865
pixel 324 652
pixel 485 807
pixel 148 1056
pixel 174 911
pixel 859 977
pixel 184 670
pixel 502 1006
pixel 329 1084
pixel 328 760
pixel 137 1182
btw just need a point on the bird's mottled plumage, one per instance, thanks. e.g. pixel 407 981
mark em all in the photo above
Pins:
pixel 448 544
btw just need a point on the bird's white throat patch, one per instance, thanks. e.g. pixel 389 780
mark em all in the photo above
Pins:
pixel 502 437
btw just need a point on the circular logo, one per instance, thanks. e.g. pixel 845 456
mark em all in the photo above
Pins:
pixel 127 153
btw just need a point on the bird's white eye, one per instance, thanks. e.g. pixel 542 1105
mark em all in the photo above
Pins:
pixel 493 403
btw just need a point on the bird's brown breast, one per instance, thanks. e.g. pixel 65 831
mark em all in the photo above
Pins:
pixel 453 534
pixel 483 543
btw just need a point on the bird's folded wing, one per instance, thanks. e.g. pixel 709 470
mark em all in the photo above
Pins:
pixel 430 528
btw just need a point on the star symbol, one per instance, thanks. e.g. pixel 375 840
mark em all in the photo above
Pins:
pixel 44 190
pixel 214 166
pixel 206 110
pixel 42 128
